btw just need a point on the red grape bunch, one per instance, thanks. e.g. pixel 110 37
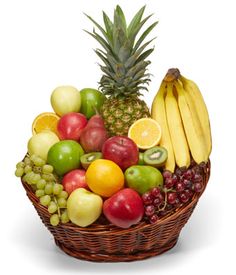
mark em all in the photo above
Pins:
pixel 178 189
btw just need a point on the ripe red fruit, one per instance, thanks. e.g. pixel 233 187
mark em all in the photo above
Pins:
pixel 124 208
pixel 179 186
pixel 155 192
pixel 184 196
pixel 147 198
pixel 73 180
pixel 71 125
pixel 171 197
pixel 149 210
pixel 169 183
pixel 154 218
pixel 93 135
pixel 92 139
pixel 167 174
pixel 122 150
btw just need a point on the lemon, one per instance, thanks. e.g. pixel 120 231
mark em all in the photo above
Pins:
pixel 145 132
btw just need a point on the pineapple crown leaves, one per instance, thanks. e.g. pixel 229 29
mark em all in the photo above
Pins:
pixel 123 55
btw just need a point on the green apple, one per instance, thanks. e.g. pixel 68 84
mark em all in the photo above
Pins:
pixel 65 99
pixel 40 143
pixel 84 207
pixel 64 156
pixel 91 101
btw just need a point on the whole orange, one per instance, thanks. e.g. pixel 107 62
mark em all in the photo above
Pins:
pixel 104 177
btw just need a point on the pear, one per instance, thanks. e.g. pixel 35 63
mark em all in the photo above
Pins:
pixel 94 135
pixel 95 121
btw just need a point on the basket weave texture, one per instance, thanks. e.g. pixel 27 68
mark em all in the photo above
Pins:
pixel 107 243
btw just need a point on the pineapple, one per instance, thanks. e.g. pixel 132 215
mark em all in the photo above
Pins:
pixel 124 69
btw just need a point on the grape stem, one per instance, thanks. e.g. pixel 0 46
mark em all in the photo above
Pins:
pixel 165 190
pixel 58 208
pixel 165 201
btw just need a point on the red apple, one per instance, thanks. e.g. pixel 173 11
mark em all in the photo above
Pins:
pixel 71 125
pixel 73 180
pixel 122 150
pixel 124 208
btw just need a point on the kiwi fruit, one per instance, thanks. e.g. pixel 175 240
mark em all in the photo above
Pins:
pixel 141 158
pixel 155 156
pixel 87 159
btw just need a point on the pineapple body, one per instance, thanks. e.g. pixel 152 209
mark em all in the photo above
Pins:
pixel 124 65
pixel 120 113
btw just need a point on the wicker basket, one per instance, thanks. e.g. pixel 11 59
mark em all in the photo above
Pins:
pixel 107 243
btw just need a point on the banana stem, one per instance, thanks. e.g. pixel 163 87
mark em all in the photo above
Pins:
pixel 172 74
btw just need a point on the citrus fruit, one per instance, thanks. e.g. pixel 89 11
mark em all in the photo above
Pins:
pixel 45 121
pixel 145 132
pixel 104 177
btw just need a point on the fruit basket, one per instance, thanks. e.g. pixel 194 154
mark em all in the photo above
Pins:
pixel 111 179
pixel 107 243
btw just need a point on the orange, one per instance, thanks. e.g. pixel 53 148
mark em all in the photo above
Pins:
pixel 45 121
pixel 145 132
pixel 104 177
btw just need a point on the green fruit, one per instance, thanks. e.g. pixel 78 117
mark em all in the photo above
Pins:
pixel 87 159
pixel 91 102
pixel 64 156
pixel 65 99
pixel 155 156
pixel 84 207
pixel 141 158
pixel 143 178
pixel 40 144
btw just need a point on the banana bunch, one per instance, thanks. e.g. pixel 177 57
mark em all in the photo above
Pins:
pixel 180 110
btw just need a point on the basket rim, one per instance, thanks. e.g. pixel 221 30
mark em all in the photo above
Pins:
pixel 103 229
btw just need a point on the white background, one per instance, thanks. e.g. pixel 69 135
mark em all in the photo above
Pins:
pixel 42 45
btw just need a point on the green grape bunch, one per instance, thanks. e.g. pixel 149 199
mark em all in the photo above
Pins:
pixel 34 171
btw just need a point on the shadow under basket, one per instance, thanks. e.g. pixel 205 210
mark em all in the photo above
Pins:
pixel 108 243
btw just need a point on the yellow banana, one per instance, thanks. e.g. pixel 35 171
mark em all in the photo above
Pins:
pixel 201 109
pixel 192 126
pixel 178 138
pixel 158 113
